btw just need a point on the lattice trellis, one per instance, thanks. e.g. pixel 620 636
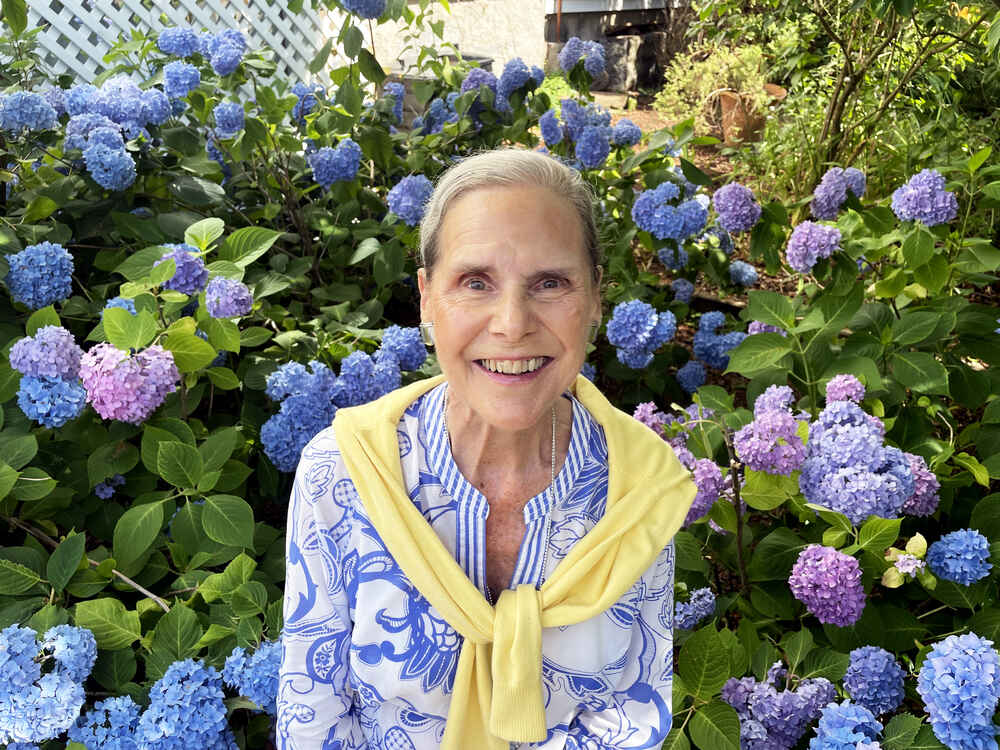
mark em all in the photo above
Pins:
pixel 77 33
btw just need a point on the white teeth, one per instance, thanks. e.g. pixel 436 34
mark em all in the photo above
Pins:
pixel 513 366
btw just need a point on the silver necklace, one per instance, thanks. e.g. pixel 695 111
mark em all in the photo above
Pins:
pixel 550 489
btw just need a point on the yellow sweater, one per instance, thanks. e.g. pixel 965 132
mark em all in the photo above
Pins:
pixel 497 696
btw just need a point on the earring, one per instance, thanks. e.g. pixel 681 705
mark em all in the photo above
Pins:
pixel 592 334
pixel 427 333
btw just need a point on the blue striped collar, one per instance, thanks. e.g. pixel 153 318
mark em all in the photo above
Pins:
pixel 442 463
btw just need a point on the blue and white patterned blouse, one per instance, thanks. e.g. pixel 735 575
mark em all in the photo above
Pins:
pixel 368 663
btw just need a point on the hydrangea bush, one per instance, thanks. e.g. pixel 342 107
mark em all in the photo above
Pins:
pixel 195 280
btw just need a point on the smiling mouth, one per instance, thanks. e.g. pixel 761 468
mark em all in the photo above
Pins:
pixel 514 366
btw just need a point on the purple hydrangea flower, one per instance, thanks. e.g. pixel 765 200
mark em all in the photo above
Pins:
pixel 924 199
pixel 179 79
pixel 828 582
pixel 51 352
pixel 227 298
pixel 625 133
pixel 736 207
pixel 648 413
pixel 179 42
pixel 592 147
pixel 924 500
pixel 126 387
pixel 479 77
pixel 406 345
pixel 40 275
pixel 874 679
pixel 365 8
pixel 52 402
pixel 961 556
pixel 772 719
pixel 700 605
pixel 770 443
pixel 960 685
pixel 191 274
pixel 831 192
pixel 757 327
pixel 909 564
pixel 708 479
pixel 409 197
pixel 691 376
pixel 742 273
pixel 810 242
pixel 774 398
pixel 845 388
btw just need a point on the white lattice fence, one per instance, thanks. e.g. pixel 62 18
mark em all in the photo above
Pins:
pixel 77 33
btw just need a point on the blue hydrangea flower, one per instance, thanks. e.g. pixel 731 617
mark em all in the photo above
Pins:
pixel 355 384
pixel 756 326
pixel 56 98
pixel 26 111
pixel 578 118
pixel 73 649
pixel 845 726
pixel 409 197
pixel 109 725
pixel 179 79
pixel 874 679
pixel 479 77
pixel 106 490
pixel 108 137
pixel 594 61
pixel 340 164
pixel 537 75
pixel 226 58
pixel 691 376
pixel 365 8
pixel 398 92
pixel 653 213
pixel 960 685
pixel 742 274
pixel 40 275
pixel 674 258
pixel 406 345
pixel 191 274
pixel 255 676
pixel 713 348
pixel 42 711
pixel 514 76
pixel 186 709
pixel 307 406
pixel 592 147
pixel 52 402
pixel 179 42
pixel 682 289
pixel 924 198
pixel 78 97
pixel 810 242
pixel 308 99
pixel 631 324
pixel 588 371
pixel 626 133
pixel 79 128
pixel 386 375
pixel 552 132
pixel 736 207
pixel 228 119
pixel 121 302
pixel 227 298
pixel 961 556
pixel 50 352
pixel 700 606
pixel 111 168
pixel 571 52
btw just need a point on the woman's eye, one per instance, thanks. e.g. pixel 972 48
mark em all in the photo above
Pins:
pixel 551 284
pixel 476 284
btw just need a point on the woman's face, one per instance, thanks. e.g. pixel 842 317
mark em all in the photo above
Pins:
pixel 511 298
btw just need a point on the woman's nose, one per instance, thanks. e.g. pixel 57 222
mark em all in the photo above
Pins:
pixel 513 316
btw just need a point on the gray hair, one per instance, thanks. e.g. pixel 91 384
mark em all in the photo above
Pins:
pixel 502 168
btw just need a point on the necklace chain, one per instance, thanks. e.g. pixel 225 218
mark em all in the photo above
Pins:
pixel 550 489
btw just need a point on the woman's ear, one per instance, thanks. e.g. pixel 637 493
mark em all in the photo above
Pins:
pixel 422 287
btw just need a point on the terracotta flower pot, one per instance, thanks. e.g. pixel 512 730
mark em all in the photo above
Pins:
pixel 740 123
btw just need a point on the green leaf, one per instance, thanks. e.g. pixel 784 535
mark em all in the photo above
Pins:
pixel 823 662
pixel 114 668
pixel 920 372
pixel 136 530
pixel 797 647
pixel 16 578
pixel 218 447
pixel 914 327
pixel 926 740
pixel 195 191
pixel 33 484
pixel 716 726
pixel 115 457
pixel 139 264
pixel 228 520
pixel 190 352
pixel 978 158
pixel 758 353
pixel 986 623
pixel 15 15
pixel 900 732
pixel 203 233
pixel 223 378
pixel 978 471
pixel 932 275
pixel 367 247
pixel 771 308
pixel 246 244
pixel 370 68
pixel 918 247
pixel 877 534
pixel 48 617
pixel 179 464
pixel 350 98
pixel 18 450
pixel 862 368
pixel 688 553
pixel 319 60
pixel 764 491
pixel 676 740
pixel 8 478
pixel 113 626
pixel 986 516
pixel 249 599
pixel 224 335
pixel 177 634
pixel 47 316
pixel 703 663
pixel 64 561
pixel 774 556
pixel 127 331
pixel 353 41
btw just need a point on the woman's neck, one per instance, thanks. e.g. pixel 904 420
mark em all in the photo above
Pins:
pixel 499 462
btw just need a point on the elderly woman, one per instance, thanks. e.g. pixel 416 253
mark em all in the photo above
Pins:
pixel 483 559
